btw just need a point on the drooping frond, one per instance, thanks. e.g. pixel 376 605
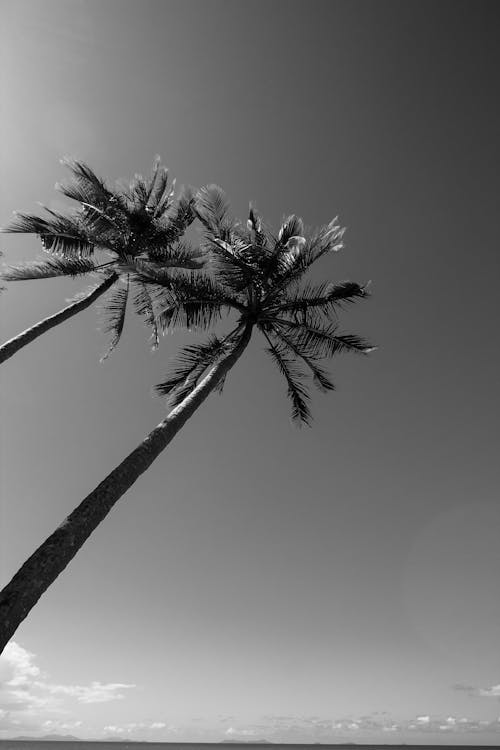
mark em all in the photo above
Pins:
pixel 319 375
pixel 115 308
pixel 48 268
pixel 188 300
pixel 60 234
pixel 297 393
pixel 187 312
pixel 181 255
pixel 192 362
pixel 144 307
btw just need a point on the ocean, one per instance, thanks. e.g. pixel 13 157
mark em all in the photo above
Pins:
pixel 124 745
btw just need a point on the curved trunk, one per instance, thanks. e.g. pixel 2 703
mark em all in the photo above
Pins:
pixel 50 559
pixel 30 334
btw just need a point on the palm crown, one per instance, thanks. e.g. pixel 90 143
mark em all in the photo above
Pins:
pixel 144 220
pixel 260 277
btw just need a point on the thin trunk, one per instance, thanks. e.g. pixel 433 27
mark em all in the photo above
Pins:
pixel 50 559
pixel 30 334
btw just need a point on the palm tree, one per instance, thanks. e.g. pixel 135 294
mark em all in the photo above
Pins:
pixel 128 226
pixel 258 278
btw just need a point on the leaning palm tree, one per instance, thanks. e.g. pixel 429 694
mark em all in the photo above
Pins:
pixel 258 280
pixel 112 229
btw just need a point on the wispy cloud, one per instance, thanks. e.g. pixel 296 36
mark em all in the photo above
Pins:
pixel 96 692
pixel 482 692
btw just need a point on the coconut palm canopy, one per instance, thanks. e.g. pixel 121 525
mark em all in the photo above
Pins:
pixel 255 275
pixel 112 231
pixel 260 277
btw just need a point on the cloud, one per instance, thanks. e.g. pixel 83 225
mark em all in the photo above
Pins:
pixel 491 692
pixel 96 692
pixel 31 702
pixel 463 688
pixel 362 728
pixel 16 666
pixel 134 727
pixel 482 692
pixel 252 732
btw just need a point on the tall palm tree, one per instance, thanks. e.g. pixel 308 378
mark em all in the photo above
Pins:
pixel 112 230
pixel 256 276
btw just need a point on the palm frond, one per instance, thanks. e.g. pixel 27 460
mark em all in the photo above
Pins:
pixel 86 186
pixel 323 341
pixel 230 266
pixel 256 231
pixel 319 375
pixel 293 226
pixel 327 239
pixel 48 268
pixel 159 196
pixel 105 225
pixel 219 388
pixel 181 255
pixel 153 180
pixel 181 215
pixel 164 196
pixel 212 208
pixel 115 309
pixel 189 314
pixel 139 191
pixel 323 298
pixel 297 393
pixel 60 234
pixel 289 268
pixel 188 300
pixel 144 306
pixel 192 362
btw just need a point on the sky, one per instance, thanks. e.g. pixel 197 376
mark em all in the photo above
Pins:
pixel 338 583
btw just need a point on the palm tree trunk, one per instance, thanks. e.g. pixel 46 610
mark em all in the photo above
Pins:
pixel 30 334
pixel 50 559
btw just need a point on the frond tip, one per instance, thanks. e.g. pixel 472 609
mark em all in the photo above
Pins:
pixel 115 310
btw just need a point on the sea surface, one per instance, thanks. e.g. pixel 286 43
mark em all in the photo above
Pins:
pixel 127 745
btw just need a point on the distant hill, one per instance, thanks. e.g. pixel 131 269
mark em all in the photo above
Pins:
pixel 246 742
pixel 49 738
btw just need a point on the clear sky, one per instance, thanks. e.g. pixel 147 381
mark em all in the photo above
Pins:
pixel 327 584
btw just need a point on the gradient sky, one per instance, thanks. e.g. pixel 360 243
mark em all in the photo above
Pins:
pixel 263 581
